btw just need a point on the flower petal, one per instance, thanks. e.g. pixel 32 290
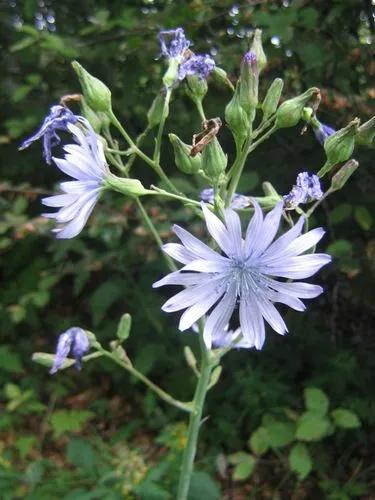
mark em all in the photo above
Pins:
pixel 299 267
pixel 180 278
pixel 253 232
pixel 220 316
pixel 268 230
pixel 201 250
pixel 217 230
pixel 76 225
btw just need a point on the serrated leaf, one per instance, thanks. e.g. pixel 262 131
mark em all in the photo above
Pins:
pixel 312 427
pixel 316 400
pixel 259 441
pixel 345 418
pixel 123 329
pixel 300 461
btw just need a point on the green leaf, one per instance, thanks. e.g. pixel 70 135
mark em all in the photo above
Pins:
pixel 67 421
pixel 9 361
pixel 259 441
pixel 24 444
pixel 364 218
pixel 345 418
pixel 279 433
pixel 340 213
pixel 316 400
pixel 203 486
pixel 103 298
pixel 81 454
pixel 300 461
pixel 312 427
pixel 244 469
pixel 123 329
pixel 340 248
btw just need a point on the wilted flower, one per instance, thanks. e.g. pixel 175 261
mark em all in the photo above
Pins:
pixel 238 202
pixel 58 119
pixel 173 43
pixel 322 132
pixel 245 272
pixel 73 341
pixel 199 65
pixel 85 162
pixel 306 189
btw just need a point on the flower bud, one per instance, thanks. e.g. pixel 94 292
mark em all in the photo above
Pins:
pixel 214 160
pixel 97 95
pixel 236 118
pixel 182 158
pixel 124 326
pixel 172 72
pixel 128 187
pixel 257 48
pixel 196 87
pixel 271 101
pixel 366 133
pixel 157 111
pixel 95 119
pixel 341 177
pixel 220 77
pixel 339 146
pixel 249 82
pixel 290 112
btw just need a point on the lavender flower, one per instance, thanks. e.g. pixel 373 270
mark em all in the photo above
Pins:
pixel 84 162
pixel 58 119
pixel 74 340
pixel 245 272
pixel 306 189
pixel 238 202
pixel 323 132
pixel 198 65
pixel 173 43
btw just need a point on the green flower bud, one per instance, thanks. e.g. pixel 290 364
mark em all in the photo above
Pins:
pixel 341 177
pixel 123 329
pixel 182 158
pixel 271 101
pixel 339 146
pixel 95 119
pixel 171 74
pixel 257 48
pixel 290 112
pixel 157 111
pixel 236 118
pixel 97 95
pixel 128 187
pixel 220 77
pixel 196 88
pixel 214 160
pixel 366 133
pixel 249 83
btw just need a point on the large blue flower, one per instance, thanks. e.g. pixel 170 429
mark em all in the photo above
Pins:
pixel 84 162
pixel 246 272
pixel 58 119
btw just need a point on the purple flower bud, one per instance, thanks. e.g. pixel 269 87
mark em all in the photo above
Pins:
pixel 238 202
pixel 250 59
pixel 198 65
pixel 306 189
pixel 58 119
pixel 74 341
pixel 173 43
pixel 322 132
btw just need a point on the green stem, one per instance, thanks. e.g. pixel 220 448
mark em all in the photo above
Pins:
pixel 198 103
pixel 158 390
pixel 161 126
pixel 194 424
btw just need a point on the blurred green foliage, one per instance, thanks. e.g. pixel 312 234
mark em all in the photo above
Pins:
pixel 99 434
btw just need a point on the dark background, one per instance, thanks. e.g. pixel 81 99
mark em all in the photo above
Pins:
pixel 98 433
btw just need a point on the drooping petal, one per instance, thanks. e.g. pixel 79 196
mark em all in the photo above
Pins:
pixel 76 225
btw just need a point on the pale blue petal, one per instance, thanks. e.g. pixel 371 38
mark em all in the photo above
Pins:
pixel 220 316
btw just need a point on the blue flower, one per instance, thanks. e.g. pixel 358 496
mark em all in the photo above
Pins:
pixel 58 119
pixel 238 202
pixel 198 65
pixel 74 341
pixel 84 162
pixel 306 189
pixel 245 272
pixel 173 43
pixel 323 132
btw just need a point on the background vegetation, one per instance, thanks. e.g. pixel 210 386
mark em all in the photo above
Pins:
pixel 97 433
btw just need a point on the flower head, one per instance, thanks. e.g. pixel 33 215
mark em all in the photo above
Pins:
pixel 306 189
pixel 245 273
pixel 84 162
pixel 238 202
pixel 199 65
pixel 58 119
pixel 322 132
pixel 74 341
pixel 173 43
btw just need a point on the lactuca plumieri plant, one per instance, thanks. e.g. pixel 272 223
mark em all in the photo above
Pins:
pixel 249 271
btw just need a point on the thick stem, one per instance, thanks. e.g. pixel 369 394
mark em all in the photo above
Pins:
pixel 194 424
